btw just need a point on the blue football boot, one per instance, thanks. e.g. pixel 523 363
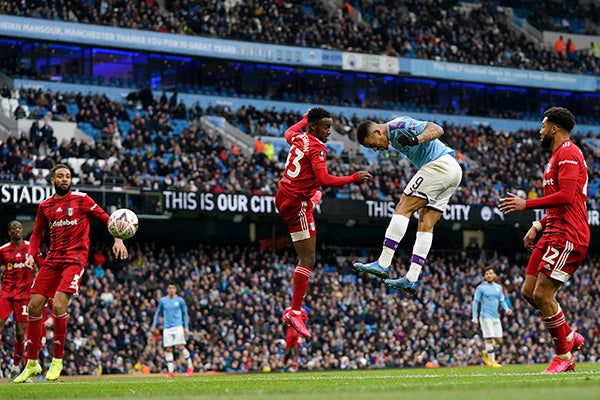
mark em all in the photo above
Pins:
pixel 372 268
pixel 403 285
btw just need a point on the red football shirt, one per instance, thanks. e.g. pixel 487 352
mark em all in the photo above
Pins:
pixel 17 280
pixel 69 222
pixel 565 195
pixel 305 169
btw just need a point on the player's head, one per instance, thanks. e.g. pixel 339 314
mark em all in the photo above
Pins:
pixel 60 176
pixel 489 274
pixel 171 289
pixel 15 230
pixel 369 135
pixel 556 119
pixel 319 123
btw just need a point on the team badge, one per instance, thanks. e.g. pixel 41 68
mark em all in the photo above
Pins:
pixel 70 211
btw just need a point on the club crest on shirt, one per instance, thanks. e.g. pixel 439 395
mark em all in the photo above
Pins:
pixel 70 211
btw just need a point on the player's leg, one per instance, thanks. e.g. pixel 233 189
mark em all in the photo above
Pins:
pixel 306 250
pixel 59 309
pixel 394 233
pixel 298 216
pixel 428 217
pixel 169 358
pixel 20 317
pixel 187 358
pixel 561 261
pixel 33 334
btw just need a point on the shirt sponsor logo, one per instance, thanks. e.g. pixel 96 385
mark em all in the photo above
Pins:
pixel 10 266
pixel 549 182
pixel 63 222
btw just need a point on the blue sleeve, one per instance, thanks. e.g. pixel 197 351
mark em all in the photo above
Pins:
pixel 504 302
pixel 159 312
pixel 476 299
pixel 184 314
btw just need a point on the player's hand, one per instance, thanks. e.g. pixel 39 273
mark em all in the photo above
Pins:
pixel 29 261
pixel 509 311
pixel 364 176
pixel 474 320
pixel 119 249
pixel 529 238
pixel 511 203
pixel 405 140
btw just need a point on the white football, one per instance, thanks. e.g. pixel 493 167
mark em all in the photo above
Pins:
pixel 123 223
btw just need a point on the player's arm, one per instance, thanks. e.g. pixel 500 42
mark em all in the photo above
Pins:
pixel 536 227
pixel 293 130
pixel 325 179
pixel 431 132
pixel 562 197
pixel 475 306
pixel 420 132
pixel 41 222
pixel 159 312
pixel 185 316
pixel 119 249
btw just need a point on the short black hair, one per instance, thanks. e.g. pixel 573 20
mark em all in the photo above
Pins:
pixel 363 130
pixel 486 269
pixel 14 221
pixel 57 167
pixel 561 117
pixel 317 113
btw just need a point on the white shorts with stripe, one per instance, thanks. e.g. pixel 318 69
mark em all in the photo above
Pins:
pixel 436 182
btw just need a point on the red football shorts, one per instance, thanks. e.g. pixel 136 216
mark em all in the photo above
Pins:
pixel 556 257
pixel 17 307
pixel 54 276
pixel 291 338
pixel 298 216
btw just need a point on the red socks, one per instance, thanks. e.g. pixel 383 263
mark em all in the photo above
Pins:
pixel 60 332
pixel 559 330
pixel 301 278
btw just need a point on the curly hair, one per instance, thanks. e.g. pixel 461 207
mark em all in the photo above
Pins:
pixel 561 117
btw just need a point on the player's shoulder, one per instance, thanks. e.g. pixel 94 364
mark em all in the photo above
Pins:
pixel 79 194
pixel 5 246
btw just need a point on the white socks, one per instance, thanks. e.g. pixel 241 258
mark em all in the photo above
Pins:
pixel 420 251
pixel 393 235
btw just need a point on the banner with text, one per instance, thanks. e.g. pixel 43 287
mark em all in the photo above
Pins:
pixel 503 76
pixel 94 35
pixel 343 209
pixel 27 197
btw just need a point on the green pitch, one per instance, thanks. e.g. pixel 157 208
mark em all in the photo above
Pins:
pixel 511 382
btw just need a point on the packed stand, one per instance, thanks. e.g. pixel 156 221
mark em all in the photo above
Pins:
pixel 235 296
pixel 413 28
pixel 148 148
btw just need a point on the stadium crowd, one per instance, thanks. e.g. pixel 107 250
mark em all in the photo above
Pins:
pixel 143 149
pixel 413 28
pixel 235 295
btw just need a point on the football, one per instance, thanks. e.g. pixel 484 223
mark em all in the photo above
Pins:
pixel 123 223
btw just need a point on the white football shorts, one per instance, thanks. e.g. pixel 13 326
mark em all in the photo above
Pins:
pixel 436 181
pixel 173 336
pixel 490 327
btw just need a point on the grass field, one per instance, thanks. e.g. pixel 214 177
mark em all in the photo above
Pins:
pixel 511 382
